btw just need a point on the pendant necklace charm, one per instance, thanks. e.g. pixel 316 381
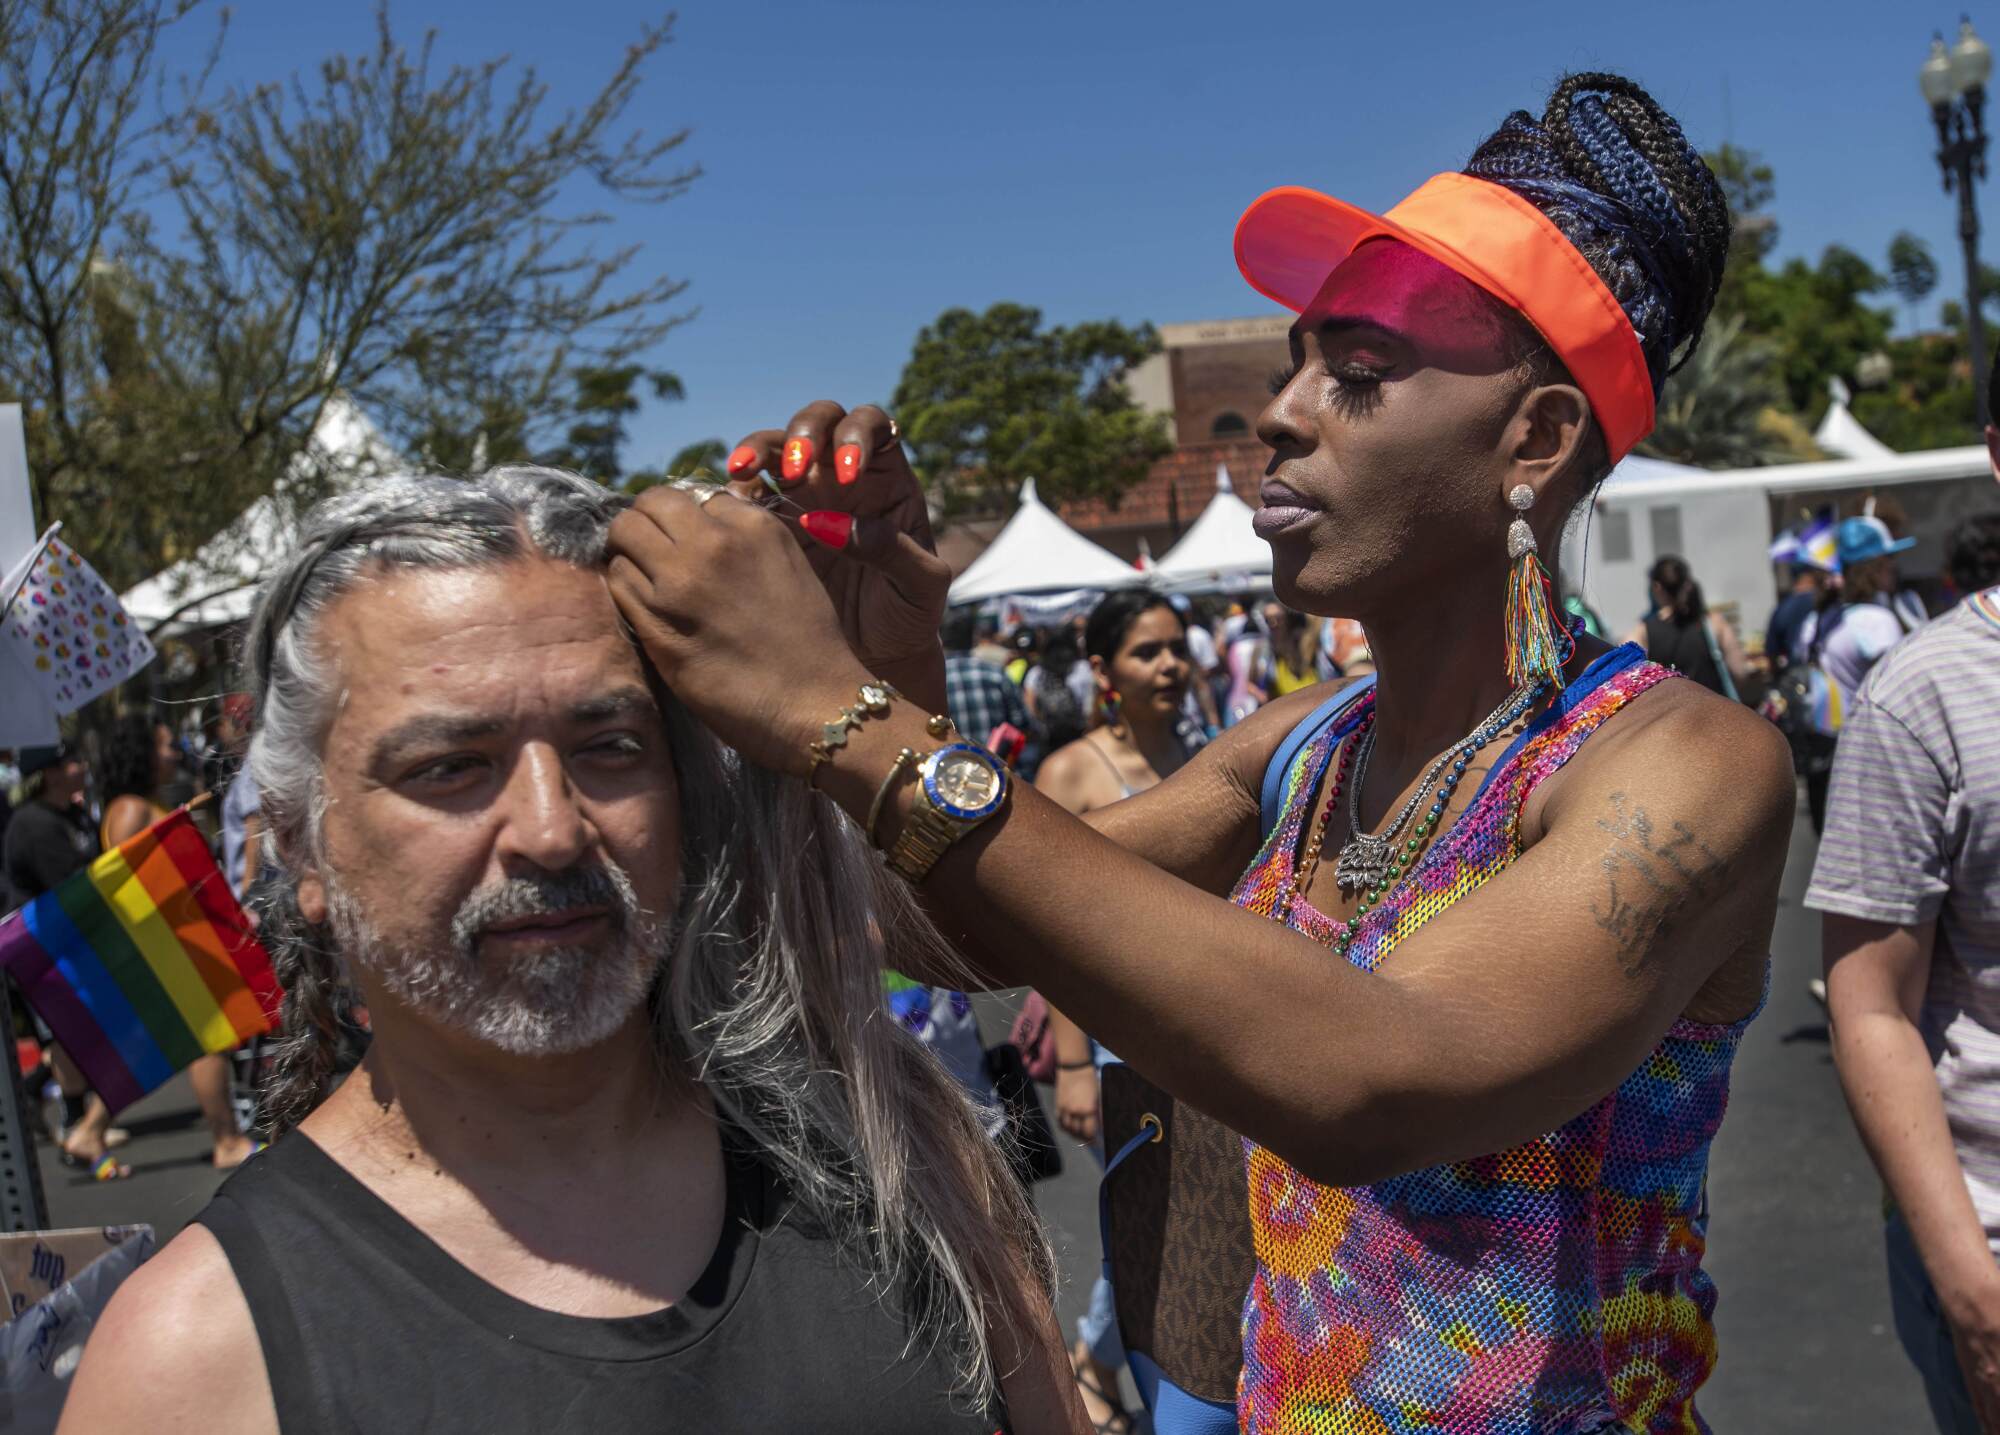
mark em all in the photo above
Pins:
pixel 1372 862
pixel 1364 859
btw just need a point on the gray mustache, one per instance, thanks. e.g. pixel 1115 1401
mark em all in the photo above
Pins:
pixel 515 897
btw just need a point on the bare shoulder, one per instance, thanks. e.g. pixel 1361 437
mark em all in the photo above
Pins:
pixel 176 1350
pixel 1201 824
pixel 126 816
pixel 1071 778
pixel 1680 810
pixel 1707 742
pixel 1714 762
pixel 1061 768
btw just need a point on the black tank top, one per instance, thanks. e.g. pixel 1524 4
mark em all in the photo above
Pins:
pixel 367 1325
pixel 1684 648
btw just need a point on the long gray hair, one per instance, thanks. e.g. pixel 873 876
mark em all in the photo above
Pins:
pixel 772 998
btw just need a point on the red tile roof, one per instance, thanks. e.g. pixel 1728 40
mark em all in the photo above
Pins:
pixel 1188 473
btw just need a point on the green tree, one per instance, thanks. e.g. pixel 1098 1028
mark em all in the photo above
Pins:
pixel 1816 317
pixel 697 458
pixel 1817 322
pixel 1928 400
pixel 1952 313
pixel 1749 185
pixel 702 459
pixel 596 446
pixel 989 399
pixel 1715 412
pixel 1913 273
pixel 603 401
pixel 182 296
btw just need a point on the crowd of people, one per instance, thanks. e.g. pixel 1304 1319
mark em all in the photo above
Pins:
pixel 1236 654
pixel 1451 913
pixel 1832 623
pixel 58 811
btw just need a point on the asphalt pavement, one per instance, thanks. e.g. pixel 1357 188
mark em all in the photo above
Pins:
pixel 1795 1230
pixel 1795 1234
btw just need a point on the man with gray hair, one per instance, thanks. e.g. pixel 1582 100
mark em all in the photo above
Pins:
pixel 636 1146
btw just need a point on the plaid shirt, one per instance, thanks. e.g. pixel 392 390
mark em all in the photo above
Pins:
pixel 979 697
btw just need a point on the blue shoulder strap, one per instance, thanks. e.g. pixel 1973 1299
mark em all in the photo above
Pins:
pixel 1273 797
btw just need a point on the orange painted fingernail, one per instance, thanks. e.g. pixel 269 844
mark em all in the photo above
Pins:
pixel 798 457
pixel 831 528
pixel 744 457
pixel 847 462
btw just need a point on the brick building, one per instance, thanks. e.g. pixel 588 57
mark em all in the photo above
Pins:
pixel 1210 379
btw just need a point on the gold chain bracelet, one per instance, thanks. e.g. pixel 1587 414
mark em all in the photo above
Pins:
pixel 873 700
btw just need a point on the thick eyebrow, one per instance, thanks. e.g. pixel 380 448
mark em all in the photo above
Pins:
pixel 429 731
pixel 433 730
pixel 629 701
pixel 1334 325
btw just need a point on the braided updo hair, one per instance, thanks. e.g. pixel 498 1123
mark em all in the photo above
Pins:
pixel 1614 173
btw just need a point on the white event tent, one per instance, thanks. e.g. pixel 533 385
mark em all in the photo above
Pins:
pixel 1723 520
pixel 1840 433
pixel 218 583
pixel 1220 551
pixel 1038 553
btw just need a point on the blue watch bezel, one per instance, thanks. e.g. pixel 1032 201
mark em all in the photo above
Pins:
pixel 952 809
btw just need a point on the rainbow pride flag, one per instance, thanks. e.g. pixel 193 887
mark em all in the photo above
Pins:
pixel 142 962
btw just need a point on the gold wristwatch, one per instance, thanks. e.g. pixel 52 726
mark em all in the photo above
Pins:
pixel 958 787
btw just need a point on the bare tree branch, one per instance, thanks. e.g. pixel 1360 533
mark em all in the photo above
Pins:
pixel 413 235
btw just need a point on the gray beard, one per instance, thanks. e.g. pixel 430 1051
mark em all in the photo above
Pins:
pixel 554 1001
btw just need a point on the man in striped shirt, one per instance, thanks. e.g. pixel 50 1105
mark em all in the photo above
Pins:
pixel 1908 878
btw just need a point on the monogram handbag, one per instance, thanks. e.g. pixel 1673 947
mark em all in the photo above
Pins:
pixel 1175 1206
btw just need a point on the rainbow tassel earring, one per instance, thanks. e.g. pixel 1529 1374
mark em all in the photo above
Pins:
pixel 1538 644
pixel 1112 707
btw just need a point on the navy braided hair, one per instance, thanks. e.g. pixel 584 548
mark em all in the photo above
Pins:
pixel 1614 173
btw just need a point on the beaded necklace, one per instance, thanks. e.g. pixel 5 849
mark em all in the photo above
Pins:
pixel 1366 858
pixel 1383 865
pixel 1309 859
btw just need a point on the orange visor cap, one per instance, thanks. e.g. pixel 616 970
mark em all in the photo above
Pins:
pixel 1290 239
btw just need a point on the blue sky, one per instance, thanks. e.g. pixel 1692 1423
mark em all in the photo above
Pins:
pixel 869 164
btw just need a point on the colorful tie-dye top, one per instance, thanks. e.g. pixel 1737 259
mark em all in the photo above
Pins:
pixel 1556 1287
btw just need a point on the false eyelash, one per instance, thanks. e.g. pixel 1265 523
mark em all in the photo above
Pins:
pixel 1357 398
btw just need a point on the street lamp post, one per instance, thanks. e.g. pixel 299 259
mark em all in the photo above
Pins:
pixel 1954 84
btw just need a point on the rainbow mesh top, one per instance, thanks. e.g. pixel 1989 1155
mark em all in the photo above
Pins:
pixel 1556 1287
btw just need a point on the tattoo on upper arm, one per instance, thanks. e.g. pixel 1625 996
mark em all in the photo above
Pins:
pixel 1649 876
